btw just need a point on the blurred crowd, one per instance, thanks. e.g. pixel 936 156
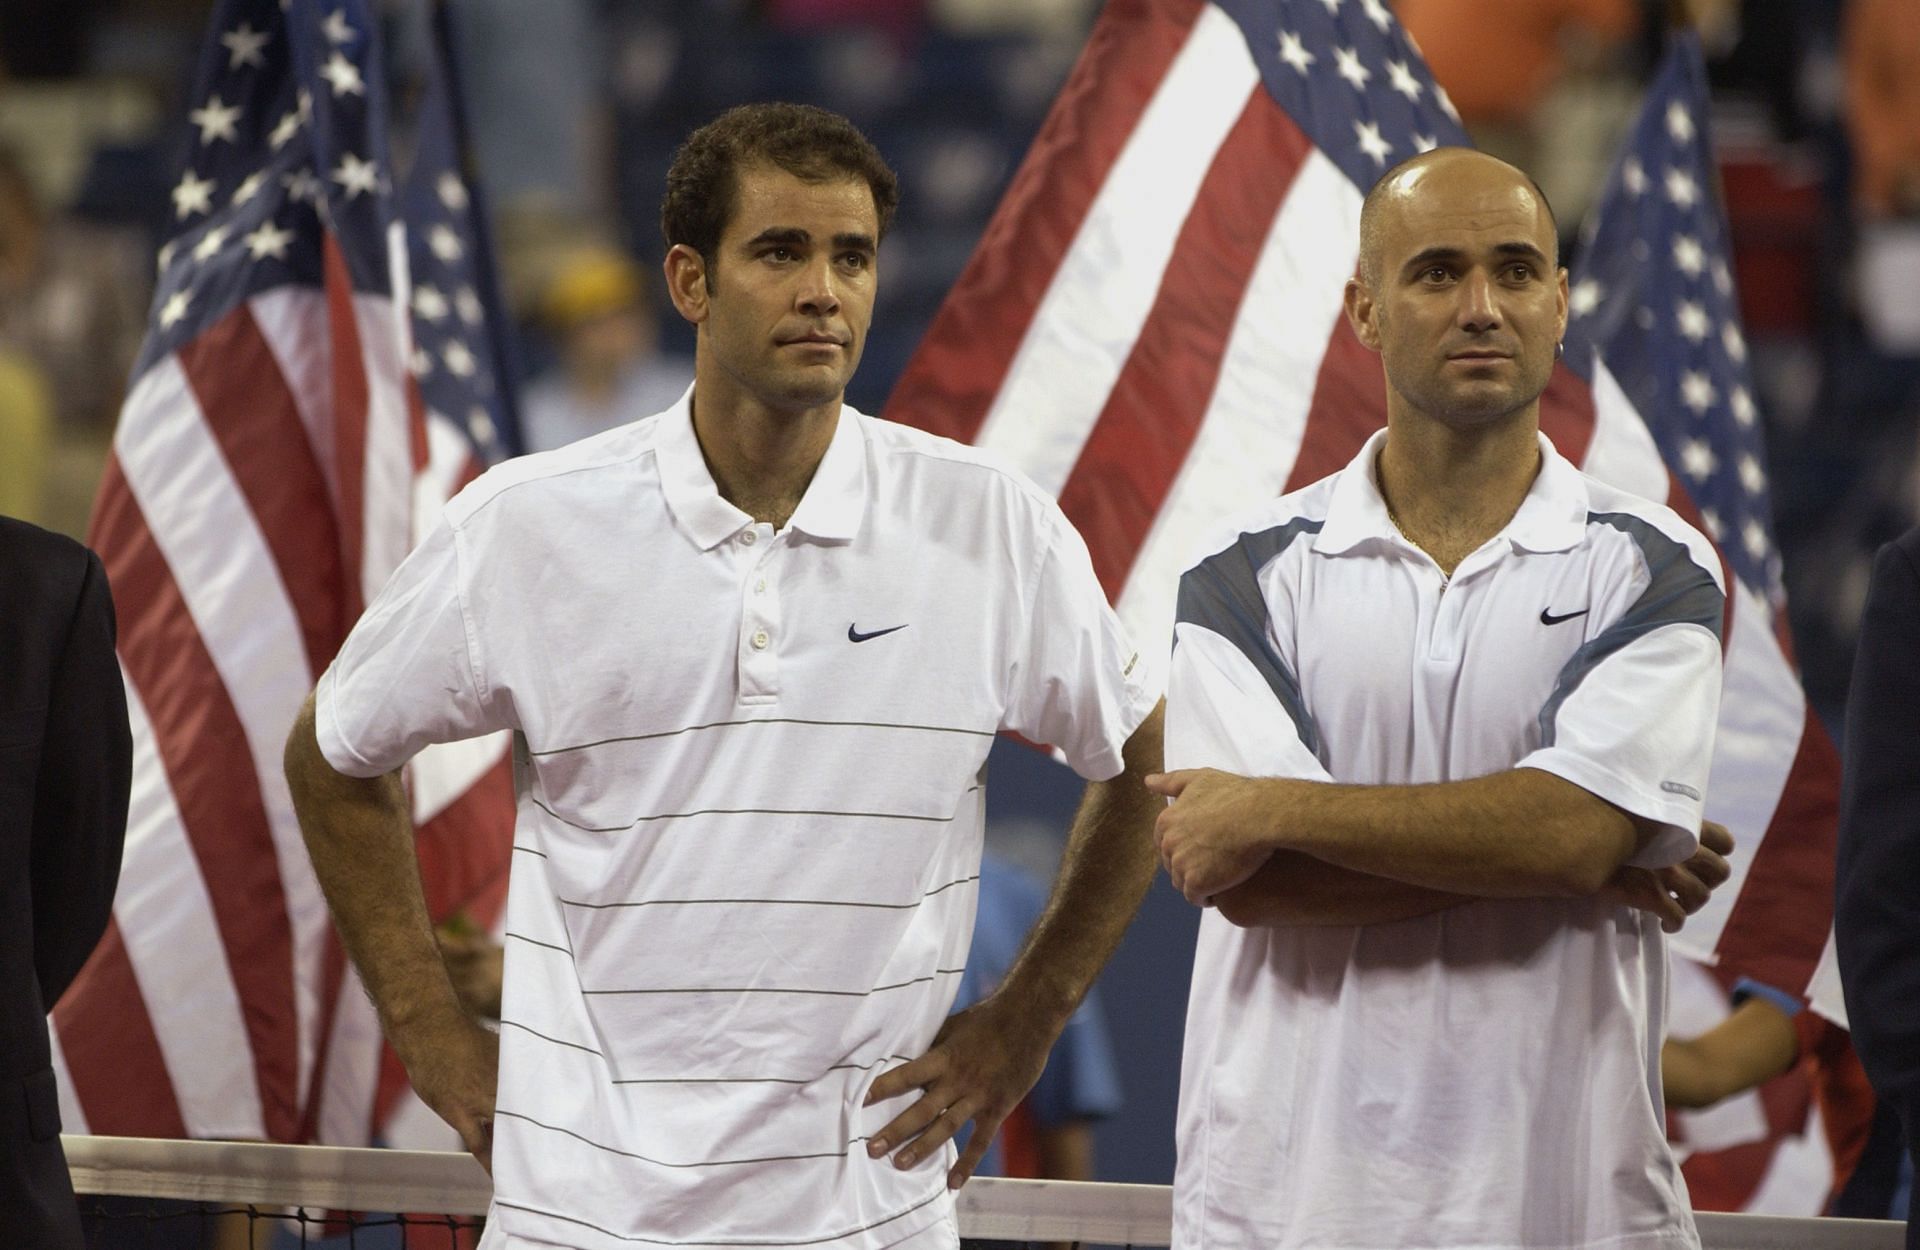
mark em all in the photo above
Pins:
pixel 577 105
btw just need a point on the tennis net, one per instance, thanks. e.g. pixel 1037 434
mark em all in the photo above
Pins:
pixel 295 1196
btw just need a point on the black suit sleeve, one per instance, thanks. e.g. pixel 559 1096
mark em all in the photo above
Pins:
pixel 1877 911
pixel 80 800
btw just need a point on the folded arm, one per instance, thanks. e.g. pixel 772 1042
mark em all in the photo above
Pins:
pixel 1280 851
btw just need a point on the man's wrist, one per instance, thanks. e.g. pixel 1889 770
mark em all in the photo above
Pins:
pixel 1272 815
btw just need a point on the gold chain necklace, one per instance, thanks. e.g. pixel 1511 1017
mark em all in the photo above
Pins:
pixel 1445 577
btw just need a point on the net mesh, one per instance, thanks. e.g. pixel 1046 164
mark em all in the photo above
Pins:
pixel 138 1194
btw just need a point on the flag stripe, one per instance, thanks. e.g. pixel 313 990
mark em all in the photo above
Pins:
pixel 1567 415
pixel 113 1060
pixel 349 418
pixel 1246 447
pixel 1080 338
pixel 1162 394
pixel 236 380
pixel 1349 403
pixel 381 332
pixel 291 320
pixel 166 920
pixel 1769 932
pixel 199 734
pixel 222 566
pixel 964 358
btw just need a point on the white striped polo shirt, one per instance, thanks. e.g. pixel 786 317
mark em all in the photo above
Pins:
pixel 1486 1076
pixel 749 831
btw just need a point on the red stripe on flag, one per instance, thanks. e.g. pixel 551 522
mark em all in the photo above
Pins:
pixel 117 1070
pixel 350 404
pixel 205 752
pixel 1158 402
pixel 249 409
pixel 1349 404
pixel 951 382
pixel 417 446
pixel 1772 935
pixel 1566 413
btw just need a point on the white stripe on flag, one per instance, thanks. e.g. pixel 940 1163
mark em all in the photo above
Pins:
pixel 1800 1174
pixel 175 949
pixel 387 532
pixel 1622 452
pixel 445 771
pixel 1092 312
pixel 352 1076
pixel 72 1118
pixel 226 574
pixel 1824 991
pixel 1251 435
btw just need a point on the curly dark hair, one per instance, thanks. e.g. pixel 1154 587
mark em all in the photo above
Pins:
pixel 810 143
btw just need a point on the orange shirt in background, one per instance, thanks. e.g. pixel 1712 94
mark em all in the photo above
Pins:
pixel 1883 104
pixel 1497 58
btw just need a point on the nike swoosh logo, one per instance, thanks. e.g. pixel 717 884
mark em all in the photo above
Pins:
pixel 1548 618
pixel 854 634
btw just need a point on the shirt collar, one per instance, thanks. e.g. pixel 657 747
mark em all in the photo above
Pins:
pixel 1552 517
pixel 830 511
pixel 836 498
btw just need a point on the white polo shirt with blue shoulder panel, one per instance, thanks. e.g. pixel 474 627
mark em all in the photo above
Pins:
pixel 1486 1076
pixel 750 809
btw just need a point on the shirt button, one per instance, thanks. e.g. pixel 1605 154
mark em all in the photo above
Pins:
pixel 759 585
pixel 759 640
pixel 748 538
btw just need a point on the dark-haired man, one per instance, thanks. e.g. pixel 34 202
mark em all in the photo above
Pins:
pixel 1441 723
pixel 754 650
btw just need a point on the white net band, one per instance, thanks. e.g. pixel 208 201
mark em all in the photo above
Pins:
pixel 337 1178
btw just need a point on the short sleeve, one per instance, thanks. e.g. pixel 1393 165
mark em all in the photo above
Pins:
pixel 1078 682
pixel 1632 715
pixel 1233 702
pixel 408 675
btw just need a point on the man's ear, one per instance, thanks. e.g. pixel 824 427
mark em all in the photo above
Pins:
pixel 686 273
pixel 1360 314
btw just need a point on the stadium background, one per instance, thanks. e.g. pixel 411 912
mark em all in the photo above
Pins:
pixel 576 107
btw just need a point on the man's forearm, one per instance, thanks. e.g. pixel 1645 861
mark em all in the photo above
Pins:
pixel 1517 834
pixel 1293 890
pixel 1108 865
pixel 360 837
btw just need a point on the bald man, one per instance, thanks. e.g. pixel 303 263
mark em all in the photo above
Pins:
pixel 1438 729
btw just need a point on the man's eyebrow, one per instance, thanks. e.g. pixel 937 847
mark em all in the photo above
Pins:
pixel 779 234
pixel 1522 248
pixel 794 236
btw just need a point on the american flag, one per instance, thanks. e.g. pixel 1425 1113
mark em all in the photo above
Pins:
pixel 272 464
pixel 1655 292
pixel 1151 327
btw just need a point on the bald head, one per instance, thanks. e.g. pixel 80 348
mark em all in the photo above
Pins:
pixel 1448 175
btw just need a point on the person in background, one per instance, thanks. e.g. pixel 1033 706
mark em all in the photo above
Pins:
pixel 610 370
pixel 1877 904
pixel 1768 1037
pixel 1049 1135
pixel 66 765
